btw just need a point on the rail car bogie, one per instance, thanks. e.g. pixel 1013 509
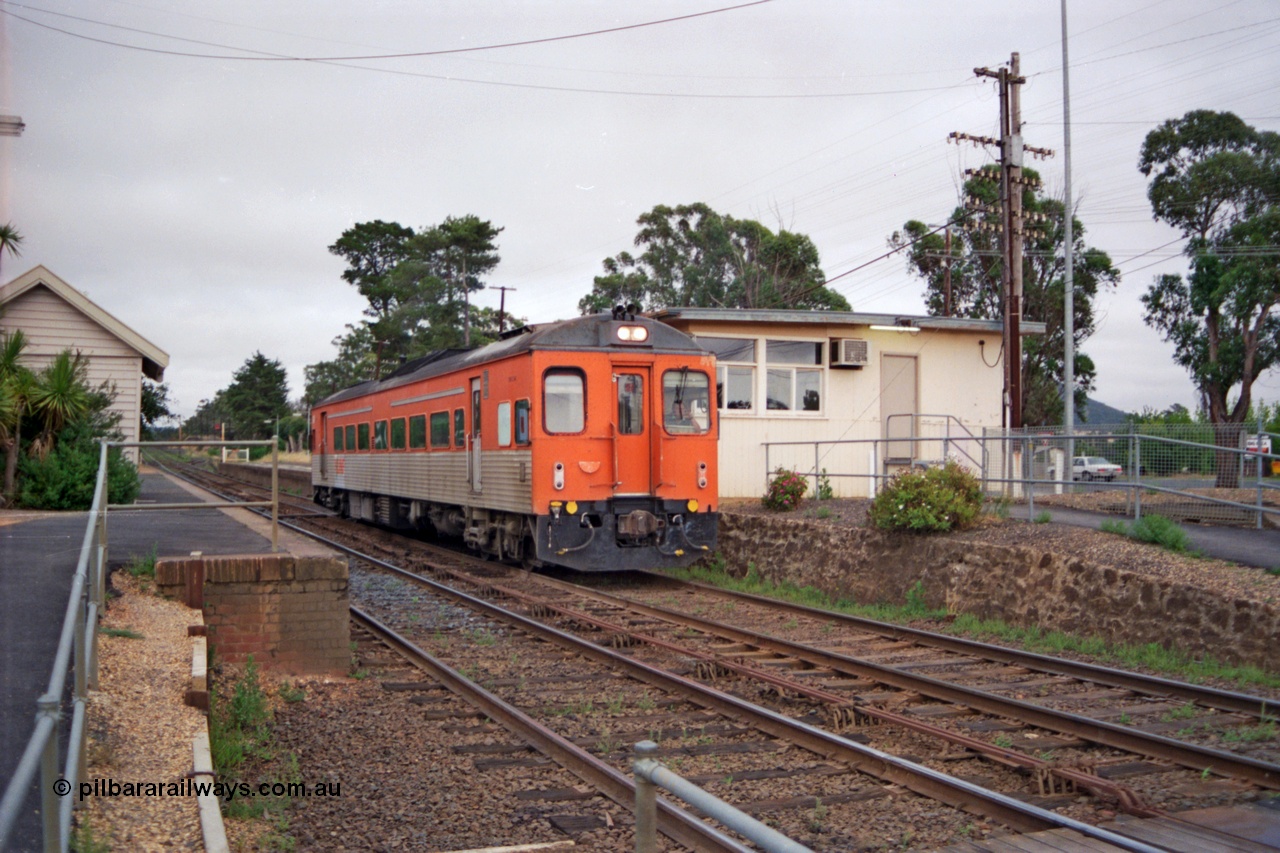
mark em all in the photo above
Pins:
pixel 589 443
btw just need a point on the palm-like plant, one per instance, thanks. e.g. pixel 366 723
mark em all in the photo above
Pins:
pixel 10 240
pixel 60 396
pixel 16 385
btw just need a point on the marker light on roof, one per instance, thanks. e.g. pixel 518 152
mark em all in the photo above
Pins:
pixel 634 334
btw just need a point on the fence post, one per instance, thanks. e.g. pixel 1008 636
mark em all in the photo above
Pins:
pixel 1029 471
pixel 815 469
pixel 646 801
pixel 275 495
pixel 48 705
pixel 1258 466
pixel 1136 476
pixel 766 467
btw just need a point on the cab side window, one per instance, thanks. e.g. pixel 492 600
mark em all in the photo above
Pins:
pixel 564 401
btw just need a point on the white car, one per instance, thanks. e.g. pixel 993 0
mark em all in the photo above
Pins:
pixel 1094 468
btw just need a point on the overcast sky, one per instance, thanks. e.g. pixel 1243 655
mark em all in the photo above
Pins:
pixel 188 179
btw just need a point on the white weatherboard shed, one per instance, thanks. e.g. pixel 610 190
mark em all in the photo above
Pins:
pixel 54 316
pixel 828 376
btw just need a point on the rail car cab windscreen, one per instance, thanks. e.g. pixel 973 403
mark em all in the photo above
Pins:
pixel 686 402
pixel 564 409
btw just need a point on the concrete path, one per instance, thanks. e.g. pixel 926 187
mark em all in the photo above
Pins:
pixel 1245 546
pixel 38 554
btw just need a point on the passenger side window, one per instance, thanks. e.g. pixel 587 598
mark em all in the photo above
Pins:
pixel 362 436
pixel 459 428
pixel 439 430
pixel 351 438
pixel 337 439
pixel 504 424
pixel 417 432
pixel 380 435
pixel 397 434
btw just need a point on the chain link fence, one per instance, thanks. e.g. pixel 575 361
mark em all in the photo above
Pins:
pixel 1219 474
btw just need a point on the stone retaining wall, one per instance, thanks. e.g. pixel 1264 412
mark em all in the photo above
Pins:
pixel 1021 586
pixel 289 612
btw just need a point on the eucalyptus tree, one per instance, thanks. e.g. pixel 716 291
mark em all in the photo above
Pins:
pixel 974 266
pixel 691 255
pixel 1217 180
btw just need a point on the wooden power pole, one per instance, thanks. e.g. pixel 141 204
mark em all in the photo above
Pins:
pixel 1012 227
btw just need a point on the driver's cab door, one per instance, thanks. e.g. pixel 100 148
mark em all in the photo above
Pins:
pixel 473 439
pixel 632 425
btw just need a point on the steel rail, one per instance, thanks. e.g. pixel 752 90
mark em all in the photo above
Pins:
pixel 1191 756
pixel 922 780
pixel 1210 697
pixel 675 823
pixel 844 708
pixel 932 784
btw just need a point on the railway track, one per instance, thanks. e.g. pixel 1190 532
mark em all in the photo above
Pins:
pixel 847 698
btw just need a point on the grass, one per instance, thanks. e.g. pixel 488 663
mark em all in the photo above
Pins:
pixel 124 633
pixel 1150 656
pixel 1043 517
pixel 143 566
pixel 83 839
pixel 290 693
pixel 239 725
pixel 1155 530
pixel 716 575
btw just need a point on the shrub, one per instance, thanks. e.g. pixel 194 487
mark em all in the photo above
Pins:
pixel 65 478
pixel 786 490
pixel 936 499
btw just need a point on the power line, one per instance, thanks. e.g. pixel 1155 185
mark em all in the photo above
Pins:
pixel 365 57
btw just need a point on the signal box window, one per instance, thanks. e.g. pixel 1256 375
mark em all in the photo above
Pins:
pixel 564 401
pixel 439 430
pixel 417 432
pixel 522 421
pixel 351 439
pixel 686 401
pixel 459 428
pixel 380 435
pixel 504 424
pixel 630 404
pixel 735 371
pixel 797 388
pixel 337 439
pixel 362 436
pixel 397 434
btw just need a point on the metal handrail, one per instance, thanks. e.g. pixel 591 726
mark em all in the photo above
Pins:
pixel 1026 478
pixel 79 638
pixel 651 775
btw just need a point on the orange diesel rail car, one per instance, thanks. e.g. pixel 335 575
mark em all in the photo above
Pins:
pixel 589 443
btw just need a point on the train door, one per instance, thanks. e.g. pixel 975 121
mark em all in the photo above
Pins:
pixel 632 422
pixel 324 438
pixel 473 459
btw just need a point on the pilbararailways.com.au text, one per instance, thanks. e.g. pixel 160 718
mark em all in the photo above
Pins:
pixel 227 791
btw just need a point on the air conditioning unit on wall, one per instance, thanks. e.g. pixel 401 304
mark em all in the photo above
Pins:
pixel 850 352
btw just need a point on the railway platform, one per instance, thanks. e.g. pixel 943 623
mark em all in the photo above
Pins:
pixel 38 553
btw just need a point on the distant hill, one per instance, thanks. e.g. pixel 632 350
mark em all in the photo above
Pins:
pixel 1100 414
